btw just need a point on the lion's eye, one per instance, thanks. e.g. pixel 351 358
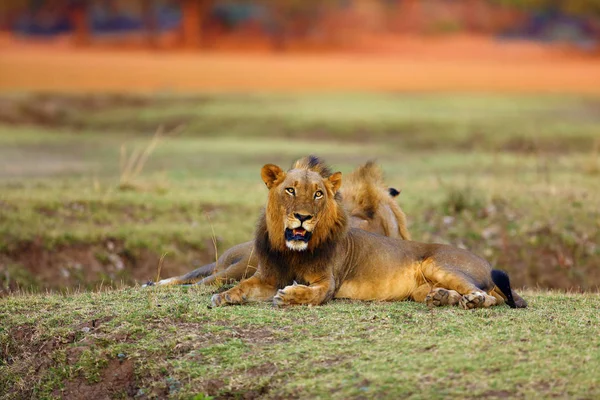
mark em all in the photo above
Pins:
pixel 290 191
pixel 318 194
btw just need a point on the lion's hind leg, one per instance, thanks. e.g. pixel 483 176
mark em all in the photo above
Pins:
pixel 435 297
pixel 477 299
pixel 440 297
pixel 452 282
pixel 254 288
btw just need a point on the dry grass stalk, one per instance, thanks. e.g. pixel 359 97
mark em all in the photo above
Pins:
pixel 132 164
pixel 593 165
pixel 214 240
pixel 160 264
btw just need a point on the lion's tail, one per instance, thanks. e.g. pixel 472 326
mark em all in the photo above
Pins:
pixel 502 282
pixel 187 279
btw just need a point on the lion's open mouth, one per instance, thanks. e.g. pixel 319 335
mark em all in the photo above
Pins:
pixel 297 234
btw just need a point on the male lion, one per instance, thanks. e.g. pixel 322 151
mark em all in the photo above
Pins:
pixel 307 254
pixel 369 203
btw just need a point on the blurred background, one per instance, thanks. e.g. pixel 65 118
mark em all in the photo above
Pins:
pixel 286 25
pixel 132 131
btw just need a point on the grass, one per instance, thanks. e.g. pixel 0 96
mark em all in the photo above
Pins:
pixel 533 214
pixel 446 121
pixel 510 177
pixel 168 342
pixel 513 178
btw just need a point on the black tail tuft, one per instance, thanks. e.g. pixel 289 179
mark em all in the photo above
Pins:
pixel 394 192
pixel 501 280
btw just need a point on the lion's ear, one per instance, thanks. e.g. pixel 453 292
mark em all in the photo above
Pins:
pixel 270 174
pixel 335 180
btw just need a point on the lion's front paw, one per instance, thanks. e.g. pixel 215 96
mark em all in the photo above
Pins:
pixel 281 298
pixel 217 300
pixel 472 300
pixel 442 297
pixel 226 298
pixel 294 294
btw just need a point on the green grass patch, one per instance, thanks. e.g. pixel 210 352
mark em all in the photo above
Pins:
pixel 431 121
pixel 167 341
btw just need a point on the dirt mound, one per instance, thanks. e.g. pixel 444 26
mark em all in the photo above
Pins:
pixel 28 346
pixel 55 109
pixel 66 110
pixel 116 379
pixel 32 266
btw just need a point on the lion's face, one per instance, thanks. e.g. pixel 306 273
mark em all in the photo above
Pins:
pixel 300 204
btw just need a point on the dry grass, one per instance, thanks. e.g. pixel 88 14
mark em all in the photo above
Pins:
pixel 132 163
pixel 592 167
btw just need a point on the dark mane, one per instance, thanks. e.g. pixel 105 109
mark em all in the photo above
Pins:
pixel 288 265
pixel 313 163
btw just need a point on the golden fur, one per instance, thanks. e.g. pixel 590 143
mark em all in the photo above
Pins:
pixel 369 203
pixel 365 197
pixel 307 254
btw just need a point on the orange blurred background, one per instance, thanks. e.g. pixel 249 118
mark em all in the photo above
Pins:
pixel 270 45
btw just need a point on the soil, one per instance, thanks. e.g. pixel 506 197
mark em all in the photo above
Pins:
pixel 93 265
pixel 449 63
pixel 116 379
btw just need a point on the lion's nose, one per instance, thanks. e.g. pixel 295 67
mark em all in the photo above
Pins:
pixel 302 217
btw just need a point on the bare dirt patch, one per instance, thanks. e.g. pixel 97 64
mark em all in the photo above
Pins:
pixel 498 394
pixel 88 265
pixel 117 379
pixel 64 110
pixel 27 348
pixel 542 256
pixel 256 336
pixel 253 387
pixel 245 394
pixel 52 110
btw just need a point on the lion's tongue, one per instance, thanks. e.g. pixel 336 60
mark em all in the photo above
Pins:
pixel 299 231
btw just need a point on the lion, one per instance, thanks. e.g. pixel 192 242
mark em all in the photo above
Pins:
pixel 369 202
pixel 308 254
